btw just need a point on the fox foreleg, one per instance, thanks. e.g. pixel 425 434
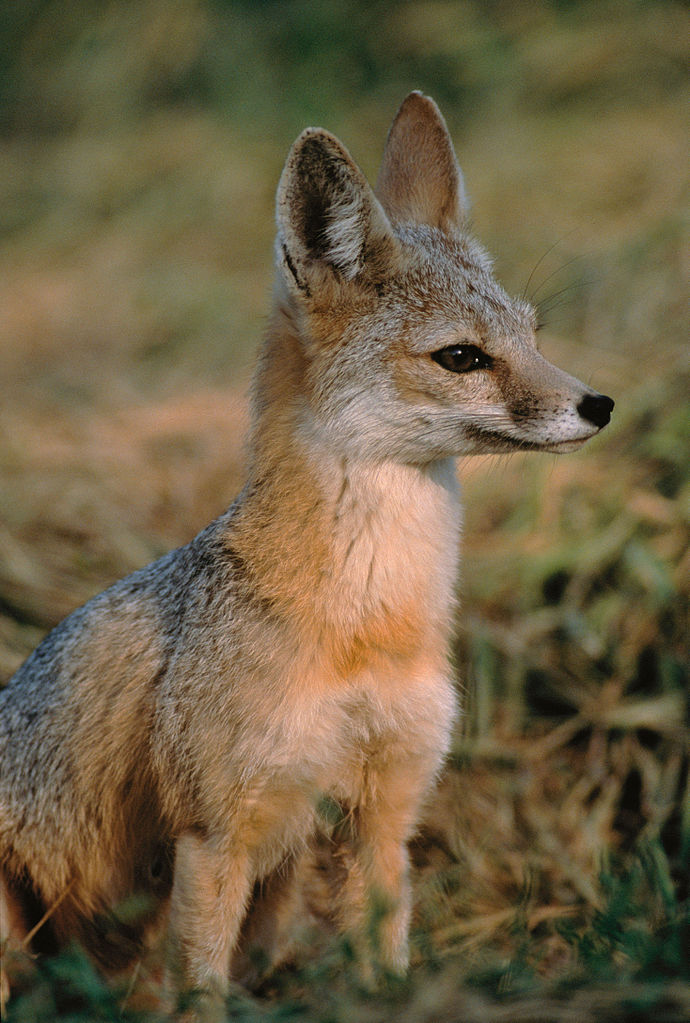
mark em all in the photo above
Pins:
pixel 211 889
pixel 376 898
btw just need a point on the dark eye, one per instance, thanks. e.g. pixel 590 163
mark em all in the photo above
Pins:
pixel 462 358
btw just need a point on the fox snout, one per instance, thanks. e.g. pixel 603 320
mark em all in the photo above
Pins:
pixel 548 409
pixel 596 409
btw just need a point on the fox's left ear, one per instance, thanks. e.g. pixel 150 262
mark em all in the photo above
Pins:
pixel 329 220
pixel 420 180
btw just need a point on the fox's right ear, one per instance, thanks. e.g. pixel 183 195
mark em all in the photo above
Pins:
pixel 329 220
pixel 420 180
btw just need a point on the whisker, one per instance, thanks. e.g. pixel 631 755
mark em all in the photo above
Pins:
pixel 541 260
pixel 551 302
pixel 536 267
pixel 559 269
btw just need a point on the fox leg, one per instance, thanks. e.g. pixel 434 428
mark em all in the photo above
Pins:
pixel 13 931
pixel 379 901
pixel 377 895
pixel 211 889
pixel 277 905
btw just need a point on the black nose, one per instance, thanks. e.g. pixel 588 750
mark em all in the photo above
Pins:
pixel 596 408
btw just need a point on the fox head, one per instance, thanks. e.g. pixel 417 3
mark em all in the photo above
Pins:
pixel 402 344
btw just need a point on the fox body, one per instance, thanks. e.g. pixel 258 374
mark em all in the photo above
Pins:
pixel 176 736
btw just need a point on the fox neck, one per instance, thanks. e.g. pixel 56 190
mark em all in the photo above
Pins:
pixel 361 556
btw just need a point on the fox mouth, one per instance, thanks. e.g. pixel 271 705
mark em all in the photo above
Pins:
pixel 561 446
pixel 499 442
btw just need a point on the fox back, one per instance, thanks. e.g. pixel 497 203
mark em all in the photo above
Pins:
pixel 177 736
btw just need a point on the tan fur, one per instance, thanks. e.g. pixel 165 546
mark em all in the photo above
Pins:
pixel 176 737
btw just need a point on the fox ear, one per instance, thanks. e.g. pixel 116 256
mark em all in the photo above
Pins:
pixel 328 216
pixel 420 180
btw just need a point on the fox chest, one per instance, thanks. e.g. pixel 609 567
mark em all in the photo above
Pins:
pixel 263 761
pixel 340 743
pixel 341 752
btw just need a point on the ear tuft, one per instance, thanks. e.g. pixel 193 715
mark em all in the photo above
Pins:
pixel 327 213
pixel 420 180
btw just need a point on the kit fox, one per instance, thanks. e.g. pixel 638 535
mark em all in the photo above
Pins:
pixel 177 736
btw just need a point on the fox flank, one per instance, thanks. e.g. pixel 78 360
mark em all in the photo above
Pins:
pixel 173 739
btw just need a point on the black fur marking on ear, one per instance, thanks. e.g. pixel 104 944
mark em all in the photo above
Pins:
pixel 293 270
pixel 315 217
pixel 326 182
pixel 320 180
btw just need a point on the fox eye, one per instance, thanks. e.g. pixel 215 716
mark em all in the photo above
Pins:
pixel 462 358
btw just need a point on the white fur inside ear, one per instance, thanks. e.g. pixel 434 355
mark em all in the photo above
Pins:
pixel 345 233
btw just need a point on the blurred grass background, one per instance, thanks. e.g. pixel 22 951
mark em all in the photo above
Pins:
pixel 140 147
